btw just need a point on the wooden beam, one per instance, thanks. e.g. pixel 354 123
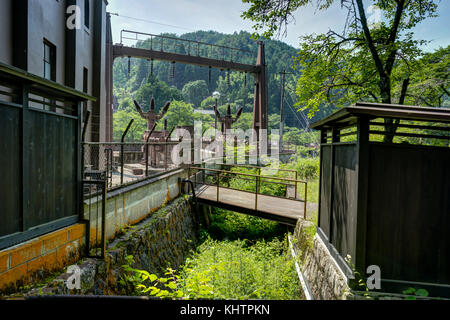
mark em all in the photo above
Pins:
pixel 362 187
pixel 23 75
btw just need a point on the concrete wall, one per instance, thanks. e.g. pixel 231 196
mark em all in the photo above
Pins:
pixel 46 19
pixel 130 205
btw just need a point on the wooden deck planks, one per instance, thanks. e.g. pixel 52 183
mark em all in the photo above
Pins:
pixel 276 207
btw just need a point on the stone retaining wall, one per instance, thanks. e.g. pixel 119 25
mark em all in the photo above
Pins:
pixel 326 280
pixel 164 239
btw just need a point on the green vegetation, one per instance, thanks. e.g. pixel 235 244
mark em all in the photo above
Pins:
pixel 414 293
pixel 236 270
pixel 224 270
pixel 375 58
pixel 239 90
pixel 192 85
pixel 233 226
pixel 240 256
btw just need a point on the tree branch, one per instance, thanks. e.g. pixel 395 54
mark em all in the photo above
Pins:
pixel 390 42
pixel 369 39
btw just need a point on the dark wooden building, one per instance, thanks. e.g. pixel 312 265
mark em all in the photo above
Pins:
pixel 40 156
pixel 385 194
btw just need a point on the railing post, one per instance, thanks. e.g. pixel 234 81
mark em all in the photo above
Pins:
pixel 256 192
pixel 104 196
pixel 195 179
pixel 296 177
pixel 218 185
pixel 259 179
pixel 146 149
pixel 306 200
pixel 165 156
pixel 146 159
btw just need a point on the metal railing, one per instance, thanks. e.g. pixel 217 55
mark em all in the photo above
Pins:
pixel 126 162
pixel 259 168
pixel 257 177
pixel 95 195
pixel 189 47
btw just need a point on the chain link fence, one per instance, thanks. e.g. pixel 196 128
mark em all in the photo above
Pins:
pixel 123 163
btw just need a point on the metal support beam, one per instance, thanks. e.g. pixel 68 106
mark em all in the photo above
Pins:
pixel 260 110
pixel 123 51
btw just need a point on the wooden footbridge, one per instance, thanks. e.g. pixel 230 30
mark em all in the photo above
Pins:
pixel 212 188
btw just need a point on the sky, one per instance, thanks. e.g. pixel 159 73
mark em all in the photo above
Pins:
pixel 182 16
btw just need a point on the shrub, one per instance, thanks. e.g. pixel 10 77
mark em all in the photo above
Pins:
pixel 233 226
pixel 307 168
pixel 231 270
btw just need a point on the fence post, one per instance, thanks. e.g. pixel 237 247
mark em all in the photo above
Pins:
pixel 146 149
pixel 218 185
pixel 146 159
pixel 121 150
pixel 306 199
pixel 256 192
pixel 296 182
pixel 104 196
pixel 166 147
pixel 259 178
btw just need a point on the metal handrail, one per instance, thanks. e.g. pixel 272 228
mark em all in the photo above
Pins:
pixel 258 183
pixel 259 172
pixel 249 174
pixel 177 39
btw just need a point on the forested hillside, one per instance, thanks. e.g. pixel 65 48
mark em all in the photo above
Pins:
pixel 194 85
pixel 191 87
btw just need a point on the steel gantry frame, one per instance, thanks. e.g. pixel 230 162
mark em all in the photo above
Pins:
pixel 260 102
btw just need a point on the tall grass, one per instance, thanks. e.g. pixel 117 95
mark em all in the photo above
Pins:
pixel 234 270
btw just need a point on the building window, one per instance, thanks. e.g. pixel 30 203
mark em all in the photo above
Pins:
pixel 87 13
pixel 49 61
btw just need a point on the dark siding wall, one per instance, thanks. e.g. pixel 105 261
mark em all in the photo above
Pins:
pixel 344 200
pixel 408 212
pixel 325 189
pixel 10 169
pixel 52 191
pixel 38 181
pixel 338 197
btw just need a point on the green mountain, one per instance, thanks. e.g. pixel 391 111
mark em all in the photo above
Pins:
pixel 141 79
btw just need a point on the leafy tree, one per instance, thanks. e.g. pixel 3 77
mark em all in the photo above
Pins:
pixel 207 103
pixel 430 84
pixel 182 114
pixel 300 137
pixel 195 91
pixel 127 105
pixel 357 63
pixel 158 90
pixel 122 119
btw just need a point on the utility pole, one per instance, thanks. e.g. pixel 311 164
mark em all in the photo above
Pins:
pixel 283 78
